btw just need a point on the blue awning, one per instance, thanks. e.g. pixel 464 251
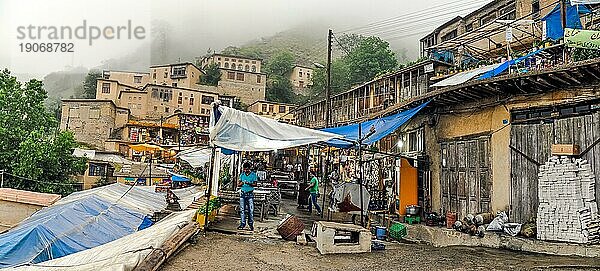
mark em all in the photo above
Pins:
pixel 504 66
pixel 554 29
pixel 179 178
pixel 383 127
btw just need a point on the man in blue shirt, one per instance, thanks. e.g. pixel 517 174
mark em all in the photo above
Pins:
pixel 247 183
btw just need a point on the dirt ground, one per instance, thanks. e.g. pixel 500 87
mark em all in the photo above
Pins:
pixel 219 251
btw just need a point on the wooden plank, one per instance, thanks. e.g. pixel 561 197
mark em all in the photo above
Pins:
pixel 158 256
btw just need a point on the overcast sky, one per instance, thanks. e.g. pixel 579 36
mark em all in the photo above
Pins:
pixel 201 24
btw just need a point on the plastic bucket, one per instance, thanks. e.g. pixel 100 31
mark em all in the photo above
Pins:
pixel 380 232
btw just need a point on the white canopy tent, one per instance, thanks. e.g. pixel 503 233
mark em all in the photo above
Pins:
pixel 244 131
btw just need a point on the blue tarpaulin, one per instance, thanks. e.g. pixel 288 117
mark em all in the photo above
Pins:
pixel 554 29
pixel 383 127
pixel 65 229
pixel 179 178
pixel 504 66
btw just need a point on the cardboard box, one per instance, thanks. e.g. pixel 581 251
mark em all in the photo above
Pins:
pixel 565 149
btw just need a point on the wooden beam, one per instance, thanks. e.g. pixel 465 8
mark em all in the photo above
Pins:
pixel 158 256
pixel 568 76
pixel 557 78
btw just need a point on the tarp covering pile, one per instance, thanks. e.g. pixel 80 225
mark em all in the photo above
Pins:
pixel 245 131
pixel 462 77
pixel 382 126
pixel 554 29
pixel 80 221
pixel 122 254
pixel 196 157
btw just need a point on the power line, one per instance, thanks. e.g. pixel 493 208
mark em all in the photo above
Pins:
pixel 415 14
pixel 38 181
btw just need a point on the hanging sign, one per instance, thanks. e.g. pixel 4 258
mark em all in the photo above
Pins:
pixel 586 39
pixel 509 34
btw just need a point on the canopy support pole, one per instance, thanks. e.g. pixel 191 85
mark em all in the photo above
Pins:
pixel 209 180
pixel 325 180
pixel 360 182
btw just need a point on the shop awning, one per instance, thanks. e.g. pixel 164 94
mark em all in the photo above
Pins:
pixel 196 157
pixel 245 131
pixel 382 127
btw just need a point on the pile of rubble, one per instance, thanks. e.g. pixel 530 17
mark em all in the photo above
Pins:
pixel 567 204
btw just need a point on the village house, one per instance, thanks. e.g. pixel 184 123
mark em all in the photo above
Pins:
pixel 480 142
pixel 240 76
pixel 301 79
pixel 280 111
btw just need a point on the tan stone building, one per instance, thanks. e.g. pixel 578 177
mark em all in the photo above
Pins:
pixel 301 77
pixel 232 62
pixel 16 205
pixel 183 75
pixel 279 111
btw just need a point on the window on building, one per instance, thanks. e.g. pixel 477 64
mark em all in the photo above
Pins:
pixel 166 74
pixel 301 84
pixel 137 79
pixel 226 65
pixel 154 76
pixel 166 109
pixel 247 61
pixel 535 9
pixel 487 18
pixel 308 75
pixel 155 108
pixel 95 113
pixel 469 27
pixel 218 58
pixel 179 71
pixel 253 68
pixel 207 99
pixel 508 13
pixel 452 34
pixel 191 100
pixel 226 59
pixel 299 74
pixel 264 108
pixel 282 109
pixel 240 67
pixel 253 61
pixel 219 64
pixel 258 79
pixel 239 76
pixel 105 87
pixel 174 84
pixel 155 93
pixel 231 75
pixel 106 74
pixel 179 100
pixel 96 170
pixel 233 60
pixel 247 68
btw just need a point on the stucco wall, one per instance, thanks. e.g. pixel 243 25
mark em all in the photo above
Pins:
pixel 11 213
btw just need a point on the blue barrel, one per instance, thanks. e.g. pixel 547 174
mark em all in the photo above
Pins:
pixel 380 233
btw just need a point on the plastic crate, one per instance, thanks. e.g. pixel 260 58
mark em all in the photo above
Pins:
pixel 397 231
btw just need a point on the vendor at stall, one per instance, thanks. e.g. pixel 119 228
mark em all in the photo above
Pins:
pixel 247 182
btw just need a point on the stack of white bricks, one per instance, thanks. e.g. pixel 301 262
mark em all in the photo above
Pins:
pixel 567 204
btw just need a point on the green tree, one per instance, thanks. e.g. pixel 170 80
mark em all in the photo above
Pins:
pixel 371 57
pixel 279 89
pixel 340 79
pixel 281 63
pixel 212 76
pixel 30 143
pixel 89 85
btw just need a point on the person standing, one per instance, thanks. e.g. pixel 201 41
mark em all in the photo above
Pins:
pixel 247 182
pixel 313 188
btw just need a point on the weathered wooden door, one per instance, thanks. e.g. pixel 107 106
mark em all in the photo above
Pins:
pixel 465 176
pixel 531 144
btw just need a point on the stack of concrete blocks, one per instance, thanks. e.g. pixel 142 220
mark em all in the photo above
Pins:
pixel 325 236
pixel 567 204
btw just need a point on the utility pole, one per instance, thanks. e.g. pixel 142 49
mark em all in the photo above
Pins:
pixel 2 180
pixel 328 88
pixel 563 14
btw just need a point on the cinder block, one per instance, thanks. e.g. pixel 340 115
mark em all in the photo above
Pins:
pixel 334 238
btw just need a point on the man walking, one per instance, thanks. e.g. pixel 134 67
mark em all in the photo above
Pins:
pixel 313 188
pixel 247 183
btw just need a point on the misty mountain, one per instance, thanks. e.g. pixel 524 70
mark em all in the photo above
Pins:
pixel 64 84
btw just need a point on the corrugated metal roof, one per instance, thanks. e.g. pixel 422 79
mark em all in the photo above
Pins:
pixel 23 196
